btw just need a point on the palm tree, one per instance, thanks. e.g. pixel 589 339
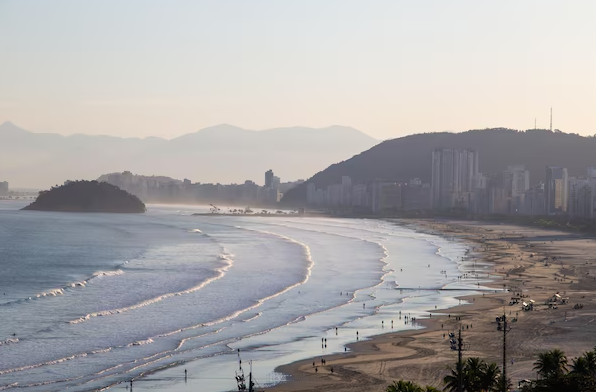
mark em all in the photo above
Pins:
pixel 452 380
pixel 501 384
pixel 477 375
pixel 474 370
pixel 551 364
pixel 585 365
pixel 490 377
pixel 404 386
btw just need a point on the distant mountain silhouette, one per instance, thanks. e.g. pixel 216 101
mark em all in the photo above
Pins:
pixel 223 153
pixel 87 196
pixel 410 156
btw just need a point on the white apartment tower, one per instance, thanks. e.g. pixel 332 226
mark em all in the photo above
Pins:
pixel 581 197
pixel 453 175
pixel 520 180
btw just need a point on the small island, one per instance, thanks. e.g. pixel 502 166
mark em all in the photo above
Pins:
pixel 87 196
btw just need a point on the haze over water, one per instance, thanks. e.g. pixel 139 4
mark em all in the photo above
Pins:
pixel 97 299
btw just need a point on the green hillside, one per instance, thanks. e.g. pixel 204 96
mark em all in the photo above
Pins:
pixel 87 196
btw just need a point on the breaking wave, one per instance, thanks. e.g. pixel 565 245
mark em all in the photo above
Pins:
pixel 227 260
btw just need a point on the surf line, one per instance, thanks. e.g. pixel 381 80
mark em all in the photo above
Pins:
pixel 305 248
pixel 228 261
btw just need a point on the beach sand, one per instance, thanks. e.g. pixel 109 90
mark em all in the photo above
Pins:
pixel 534 262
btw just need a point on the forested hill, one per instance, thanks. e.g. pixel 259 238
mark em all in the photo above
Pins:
pixel 410 156
pixel 87 196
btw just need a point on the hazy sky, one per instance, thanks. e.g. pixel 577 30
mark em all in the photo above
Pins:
pixel 386 67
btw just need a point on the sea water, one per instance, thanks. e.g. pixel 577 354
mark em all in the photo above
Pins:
pixel 92 301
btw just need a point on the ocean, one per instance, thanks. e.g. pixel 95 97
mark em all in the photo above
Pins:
pixel 91 301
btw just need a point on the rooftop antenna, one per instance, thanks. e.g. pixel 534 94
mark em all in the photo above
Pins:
pixel 534 123
pixel 551 118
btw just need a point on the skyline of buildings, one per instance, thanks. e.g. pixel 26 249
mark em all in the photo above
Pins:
pixel 159 189
pixel 456 185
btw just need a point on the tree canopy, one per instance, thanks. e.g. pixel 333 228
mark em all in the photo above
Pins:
pixel 87 196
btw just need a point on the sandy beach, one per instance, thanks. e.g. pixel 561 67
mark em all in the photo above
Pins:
pixel 536 263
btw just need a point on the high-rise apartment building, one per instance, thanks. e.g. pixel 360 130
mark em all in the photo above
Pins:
pixel 516 181
pixel 346 191
pixel 556 190
pixel 3 188
pixel 534 201
pixel 311 193
pixel 520 180
pixel 268 178
pixel 581 197
pixel 359 195
pixel 453 176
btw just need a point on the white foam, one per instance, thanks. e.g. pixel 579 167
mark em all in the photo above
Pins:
pixel 51 293
pixel 9 341
pixel 95 275
pixel 106 273
pixel 141 343
pixel 253 317
pixel 228 262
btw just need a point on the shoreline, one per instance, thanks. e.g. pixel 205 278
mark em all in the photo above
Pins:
pixel 444 252
pixel 422 357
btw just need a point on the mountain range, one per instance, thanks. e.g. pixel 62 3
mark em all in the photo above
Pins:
pixel 219 154
pixel 409 157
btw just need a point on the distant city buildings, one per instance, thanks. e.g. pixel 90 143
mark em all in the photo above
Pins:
pixel 456 186
pixel 556 189
pixel 454 175
pixel 268 178
pixel 3 188
pixel 581 197
pixel 372 197
pixel 155 189
pixel 534 201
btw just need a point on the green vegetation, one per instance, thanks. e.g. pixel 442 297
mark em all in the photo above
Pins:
pixel 477 375
pixel 408 386
pixel 87 196
pixel 554 374
pixel 552 368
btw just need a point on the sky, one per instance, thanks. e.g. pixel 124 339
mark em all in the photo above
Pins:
pixel 389 68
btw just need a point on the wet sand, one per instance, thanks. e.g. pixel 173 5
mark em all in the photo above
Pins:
pixel 534 262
